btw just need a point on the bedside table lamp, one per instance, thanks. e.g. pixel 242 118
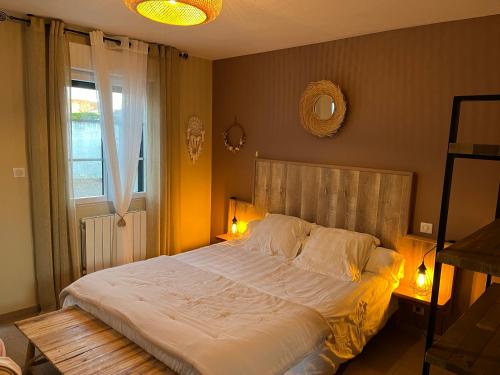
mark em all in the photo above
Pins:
pixel 234 226
pixel 421 283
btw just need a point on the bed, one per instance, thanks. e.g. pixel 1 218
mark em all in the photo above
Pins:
pixel 224 309
pixel 225 295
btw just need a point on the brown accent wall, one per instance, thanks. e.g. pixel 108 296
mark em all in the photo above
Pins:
pixel 399 86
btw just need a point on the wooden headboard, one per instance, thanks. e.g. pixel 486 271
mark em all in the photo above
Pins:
pixel 364 200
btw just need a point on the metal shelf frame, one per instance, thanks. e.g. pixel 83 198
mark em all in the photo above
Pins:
pixel 445 204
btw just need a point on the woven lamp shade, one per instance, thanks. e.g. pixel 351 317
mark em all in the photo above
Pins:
pixel 179 13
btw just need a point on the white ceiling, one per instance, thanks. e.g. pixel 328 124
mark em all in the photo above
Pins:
pixel 250 26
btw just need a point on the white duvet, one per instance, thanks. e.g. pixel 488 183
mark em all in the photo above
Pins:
pixel 226 310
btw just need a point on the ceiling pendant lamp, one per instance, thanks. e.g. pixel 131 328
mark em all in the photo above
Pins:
pixel 177 12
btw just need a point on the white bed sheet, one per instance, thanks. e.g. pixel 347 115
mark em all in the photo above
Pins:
pixel 349 313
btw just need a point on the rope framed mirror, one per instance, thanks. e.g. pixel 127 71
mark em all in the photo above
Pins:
pixel 322 108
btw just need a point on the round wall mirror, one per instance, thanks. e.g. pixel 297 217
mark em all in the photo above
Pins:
pixel 324 107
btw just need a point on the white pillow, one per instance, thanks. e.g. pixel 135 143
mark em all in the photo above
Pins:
pixel 386 263
pixel 279 235
pixel 250 228
pixel 336 252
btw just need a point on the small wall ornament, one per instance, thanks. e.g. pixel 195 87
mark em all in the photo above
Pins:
pixel 195 136
pixel 234 148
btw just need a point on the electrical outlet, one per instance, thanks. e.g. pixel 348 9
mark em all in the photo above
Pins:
pixel 419 310
pixel 426 228
pixel 19 172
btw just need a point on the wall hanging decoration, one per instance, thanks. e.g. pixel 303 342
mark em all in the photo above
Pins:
pixel 322 108
pixel 177 12
pixel 235 127
pixel 195 136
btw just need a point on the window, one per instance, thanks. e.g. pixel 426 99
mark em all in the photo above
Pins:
pixel 89 168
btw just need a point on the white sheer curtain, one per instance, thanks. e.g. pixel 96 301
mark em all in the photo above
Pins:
pixel 121 69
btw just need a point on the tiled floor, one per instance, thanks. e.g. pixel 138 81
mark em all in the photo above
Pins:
pixel 394 351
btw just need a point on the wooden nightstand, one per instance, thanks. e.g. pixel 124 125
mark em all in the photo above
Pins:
pixel 227 237
pixel 414 309
pixel 224 237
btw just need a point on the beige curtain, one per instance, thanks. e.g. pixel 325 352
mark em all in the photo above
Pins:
pixel 48 136
pixel 163 152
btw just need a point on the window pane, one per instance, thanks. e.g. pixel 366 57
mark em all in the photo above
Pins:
pixel 117 115
pixel 86 140
pixel 87 179
pixel 136 185
pixel 84 104
pixel 140 181
pixel 86 129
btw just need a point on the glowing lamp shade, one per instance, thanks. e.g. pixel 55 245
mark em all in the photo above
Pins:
pixel 242 226
pixel 177 12
pixel 234 226
pixel 422 283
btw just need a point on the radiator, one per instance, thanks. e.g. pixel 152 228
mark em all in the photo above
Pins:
pixel 98 240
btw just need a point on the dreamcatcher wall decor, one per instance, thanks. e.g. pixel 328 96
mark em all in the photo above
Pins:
pixel 195 136
pixel 234 148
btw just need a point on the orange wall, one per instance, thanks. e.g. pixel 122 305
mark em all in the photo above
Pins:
pixel 195 179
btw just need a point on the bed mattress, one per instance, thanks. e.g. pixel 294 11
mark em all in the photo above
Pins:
pixel 224 309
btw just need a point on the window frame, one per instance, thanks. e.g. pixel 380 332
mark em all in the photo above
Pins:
pixel 141 168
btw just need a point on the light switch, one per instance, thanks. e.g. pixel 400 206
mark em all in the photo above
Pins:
pixel 19 172
pixel 426 228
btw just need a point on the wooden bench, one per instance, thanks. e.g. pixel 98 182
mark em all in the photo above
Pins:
pixel 76 342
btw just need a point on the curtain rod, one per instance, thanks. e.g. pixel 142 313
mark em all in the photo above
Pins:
pixel 183 55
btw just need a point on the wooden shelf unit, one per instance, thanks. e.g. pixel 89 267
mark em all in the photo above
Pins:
pixel 478 252
pixel 474 151
pixel 470 345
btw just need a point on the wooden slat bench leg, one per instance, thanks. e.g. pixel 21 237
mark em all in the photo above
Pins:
pixel 30 355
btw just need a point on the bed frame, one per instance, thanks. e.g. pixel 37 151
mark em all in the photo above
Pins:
pixel 365 200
